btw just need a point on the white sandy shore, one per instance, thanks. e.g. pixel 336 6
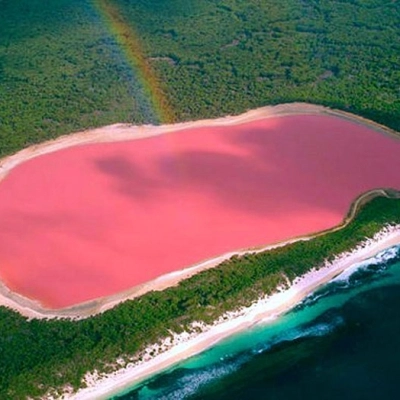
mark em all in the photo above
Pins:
pixel 123 132
pixel 180 347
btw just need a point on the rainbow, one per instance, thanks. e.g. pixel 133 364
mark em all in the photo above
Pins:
pixel 129 42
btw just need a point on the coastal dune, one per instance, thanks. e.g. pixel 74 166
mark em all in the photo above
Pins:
pixel 81 219
pixel 183 346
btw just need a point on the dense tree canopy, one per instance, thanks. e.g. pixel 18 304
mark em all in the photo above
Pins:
pixel 68 65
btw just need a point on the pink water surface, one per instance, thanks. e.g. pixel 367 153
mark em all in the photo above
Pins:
pixel 94 220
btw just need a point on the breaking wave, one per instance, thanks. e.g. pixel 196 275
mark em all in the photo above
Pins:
pixel 356 275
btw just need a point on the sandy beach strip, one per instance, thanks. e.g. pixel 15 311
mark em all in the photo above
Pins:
pixel 186 345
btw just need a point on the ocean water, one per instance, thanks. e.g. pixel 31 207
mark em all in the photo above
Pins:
pixel 341 342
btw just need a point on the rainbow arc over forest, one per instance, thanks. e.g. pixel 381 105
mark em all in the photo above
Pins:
pixel 129 42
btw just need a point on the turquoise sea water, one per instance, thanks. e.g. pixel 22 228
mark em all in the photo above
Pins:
pixel 343 341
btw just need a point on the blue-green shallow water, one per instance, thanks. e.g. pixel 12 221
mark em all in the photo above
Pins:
pixel 342 342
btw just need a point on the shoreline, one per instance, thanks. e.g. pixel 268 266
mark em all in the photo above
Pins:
pixel 122 132
pixel 33 309
pixel 183 346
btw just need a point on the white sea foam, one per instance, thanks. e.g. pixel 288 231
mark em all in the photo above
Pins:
pixel 380 259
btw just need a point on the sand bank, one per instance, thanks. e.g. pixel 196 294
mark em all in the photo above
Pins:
pixel 186 345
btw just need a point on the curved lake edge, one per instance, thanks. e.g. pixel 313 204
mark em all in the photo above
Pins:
pixel 33 309
pixel 123 132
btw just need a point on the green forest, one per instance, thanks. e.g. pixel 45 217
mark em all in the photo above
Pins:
pixel 236 55
pixel 63 68
pixel 67 65
pixel 37 355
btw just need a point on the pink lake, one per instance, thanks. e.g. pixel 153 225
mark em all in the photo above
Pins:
pixel 94 220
